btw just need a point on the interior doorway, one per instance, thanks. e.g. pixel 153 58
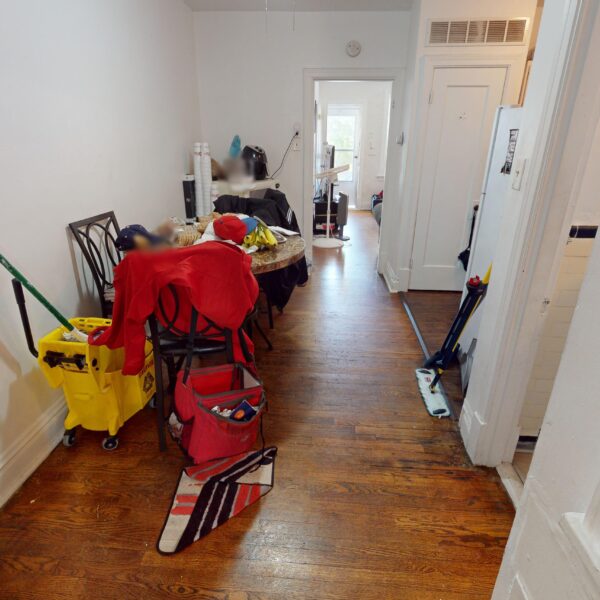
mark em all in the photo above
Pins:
pixel 351 129
pixel 342 131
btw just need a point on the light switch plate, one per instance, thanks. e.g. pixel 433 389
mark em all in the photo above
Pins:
pixel 518 170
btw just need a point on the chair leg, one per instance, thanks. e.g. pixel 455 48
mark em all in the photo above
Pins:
pixel 263 335
pixel 270 313
pixel 160 403
pixel 172 372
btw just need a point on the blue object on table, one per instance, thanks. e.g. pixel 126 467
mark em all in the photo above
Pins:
pixel 236 146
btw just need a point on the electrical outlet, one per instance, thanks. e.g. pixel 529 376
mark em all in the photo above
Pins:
pixel 296 144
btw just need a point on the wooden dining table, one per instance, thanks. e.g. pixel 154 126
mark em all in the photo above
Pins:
pixel 281 256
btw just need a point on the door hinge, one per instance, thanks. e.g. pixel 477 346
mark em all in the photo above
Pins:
pixel 430 97
pixel 410 263
pixel 393 104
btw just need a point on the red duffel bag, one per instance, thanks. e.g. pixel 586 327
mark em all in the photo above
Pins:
pixel 207 434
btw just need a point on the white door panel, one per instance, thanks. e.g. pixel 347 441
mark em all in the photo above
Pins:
pixel 459 125
pixel 342 129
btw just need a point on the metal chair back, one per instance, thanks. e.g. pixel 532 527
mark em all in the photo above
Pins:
pixel 97 237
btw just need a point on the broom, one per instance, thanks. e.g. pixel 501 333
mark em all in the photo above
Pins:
pixel 73 331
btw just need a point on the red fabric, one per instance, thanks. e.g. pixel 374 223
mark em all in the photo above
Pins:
pixel 214 277
pixel 208 436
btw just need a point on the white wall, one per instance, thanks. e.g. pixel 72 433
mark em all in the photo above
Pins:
pixel 373 98
pixel 541 557
pixel 259 93
pixel 563 301
pixel 587 210
pixel 98 111
pixel 397 248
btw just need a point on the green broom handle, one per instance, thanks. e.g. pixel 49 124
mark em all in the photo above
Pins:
pixel 18 275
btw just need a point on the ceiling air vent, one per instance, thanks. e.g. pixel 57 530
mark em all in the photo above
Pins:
pixel 477 31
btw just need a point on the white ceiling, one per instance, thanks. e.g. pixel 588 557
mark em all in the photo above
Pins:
pixel 300 5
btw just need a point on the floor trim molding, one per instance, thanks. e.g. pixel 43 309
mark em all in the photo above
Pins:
pixel 30 450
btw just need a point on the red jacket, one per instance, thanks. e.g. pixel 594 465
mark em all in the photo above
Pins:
pixel 214 277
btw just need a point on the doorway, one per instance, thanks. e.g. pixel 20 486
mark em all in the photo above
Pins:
pixel 357 111
pixel 460 116
pixel 342 131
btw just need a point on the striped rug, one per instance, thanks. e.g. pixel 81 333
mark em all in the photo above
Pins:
pixel 209 494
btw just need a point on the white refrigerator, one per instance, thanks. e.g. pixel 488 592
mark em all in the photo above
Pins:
pixel 496 183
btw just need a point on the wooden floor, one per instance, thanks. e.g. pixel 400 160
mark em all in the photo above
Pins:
pixel 373 498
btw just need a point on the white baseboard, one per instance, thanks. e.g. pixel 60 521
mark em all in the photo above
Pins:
pixel 30 450
pixel 511 482
pixel 395 281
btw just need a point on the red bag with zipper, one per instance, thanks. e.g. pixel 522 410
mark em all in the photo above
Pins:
pixel 208 434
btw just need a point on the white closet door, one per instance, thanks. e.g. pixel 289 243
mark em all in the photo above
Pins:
pixel 458 128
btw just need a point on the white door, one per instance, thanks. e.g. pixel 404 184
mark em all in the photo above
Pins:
pixel 343 132
pixel 459 124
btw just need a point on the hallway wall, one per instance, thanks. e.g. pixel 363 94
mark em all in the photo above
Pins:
pixel 98 111
pixel 259 94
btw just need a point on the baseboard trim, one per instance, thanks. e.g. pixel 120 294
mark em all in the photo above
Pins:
pixel 396 282
pixel 511 482
pixel 27 453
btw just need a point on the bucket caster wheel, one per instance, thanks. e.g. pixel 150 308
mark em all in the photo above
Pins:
pixel 152 402
pixel 68 439
pixel 110 443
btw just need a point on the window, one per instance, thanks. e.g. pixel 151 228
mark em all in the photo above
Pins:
pixel 342 133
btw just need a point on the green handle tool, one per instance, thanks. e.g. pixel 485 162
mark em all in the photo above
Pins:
pixel 78 335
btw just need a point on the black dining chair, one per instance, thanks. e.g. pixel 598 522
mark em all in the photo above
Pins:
pixel 176 347
pixel 96 236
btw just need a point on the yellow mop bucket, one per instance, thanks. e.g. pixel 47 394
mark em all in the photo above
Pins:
pixel 98 395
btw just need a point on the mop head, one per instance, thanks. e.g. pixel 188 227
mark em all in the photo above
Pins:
pixel 435 402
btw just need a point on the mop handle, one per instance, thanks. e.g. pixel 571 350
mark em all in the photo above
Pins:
pixel 18 275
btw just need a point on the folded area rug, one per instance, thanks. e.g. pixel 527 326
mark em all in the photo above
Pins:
pixel 211 493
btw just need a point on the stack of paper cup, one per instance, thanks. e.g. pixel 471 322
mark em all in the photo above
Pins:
pixel 206 179
pixel 198 179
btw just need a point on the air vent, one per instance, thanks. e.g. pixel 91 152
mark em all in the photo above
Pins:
pixel 496 32
pixel 439 32
pixel 515 32
pixel 458 32
pixel 477 31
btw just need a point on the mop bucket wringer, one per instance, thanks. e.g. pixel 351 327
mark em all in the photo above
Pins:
pixel 99 397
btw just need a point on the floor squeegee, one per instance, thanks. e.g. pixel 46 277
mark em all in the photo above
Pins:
pixel 72 332
pixel 429 375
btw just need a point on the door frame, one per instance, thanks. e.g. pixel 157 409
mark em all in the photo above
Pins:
pixel 358 108
pixel 393 160
pixel 489 422
pixel 435 67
